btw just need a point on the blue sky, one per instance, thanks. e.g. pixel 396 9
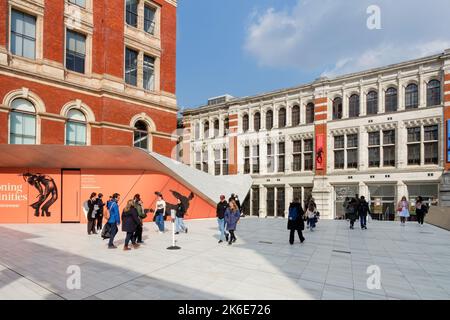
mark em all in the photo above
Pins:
pixel 246 47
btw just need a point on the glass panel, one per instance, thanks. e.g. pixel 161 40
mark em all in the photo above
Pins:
pixel 372 102
pixel 411 96
pixel 297 146
pixel 295 115
pixel 339 159
pixel 337 108
pixel 76 115
pixel 414 134
pixel 341 192
pixel 149 20
pixel 310 113
pixel 132 12
pixel 131 67
pixel 374 157
pixel 22 128
pixel 339 142
pixel 352 158
pixel 433 93
pixel 389 156
pixel 149 73
pixel 22 105
pixel 352 141
pixel 255 201
pixel 354 106
pixel 431 133
pixel 280 201
pixel 374 138
pixel 391 100
pixel 282 118
pixel 269 120
pixel 431 153
pixel 75 133
pixel 257 121
pixel 270 202
pixel 414 154
pixel 389 137
pixel 382 202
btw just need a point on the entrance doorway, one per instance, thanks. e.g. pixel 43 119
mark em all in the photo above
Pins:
pixel 71 197
pixel 340 193
pixel 382 202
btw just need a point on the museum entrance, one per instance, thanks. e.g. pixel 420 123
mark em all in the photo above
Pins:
pixel 382 202
pixel 340 193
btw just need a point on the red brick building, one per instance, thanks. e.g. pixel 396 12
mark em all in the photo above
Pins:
pixel 85 72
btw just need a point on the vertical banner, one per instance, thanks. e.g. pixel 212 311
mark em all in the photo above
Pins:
pixel 320 145
pixel 448 141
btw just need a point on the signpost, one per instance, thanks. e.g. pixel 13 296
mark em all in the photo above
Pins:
pixel 173 246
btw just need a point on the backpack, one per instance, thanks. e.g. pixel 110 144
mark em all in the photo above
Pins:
pixel 293 213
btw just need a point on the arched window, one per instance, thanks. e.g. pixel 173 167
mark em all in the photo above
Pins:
pixel 337 108
pixel 141 135
pixel 353 106
pixel 310 113
pixel 76 128
pixel 372 102
pixel 391 100
pixel 206 130
pixel 245 123
pixel 216 127
pixel 226 126
pixel 269 120
pixel 22 122
pixel 257 121
pixel 282 118
pixel 295 115
pixel 411 96
pixel 433 93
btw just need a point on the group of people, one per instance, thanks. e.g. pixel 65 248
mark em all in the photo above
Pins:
pixel 421 209
pixel 228 215
pixel 297 217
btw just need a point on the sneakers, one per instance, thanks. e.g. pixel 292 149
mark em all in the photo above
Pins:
pixel 220 241
pixel 126 248
pixel 177 232
pixel 226 236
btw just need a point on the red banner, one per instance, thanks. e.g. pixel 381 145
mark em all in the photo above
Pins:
pixel 320 151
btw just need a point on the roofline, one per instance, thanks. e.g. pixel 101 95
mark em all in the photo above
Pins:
pixel 317 83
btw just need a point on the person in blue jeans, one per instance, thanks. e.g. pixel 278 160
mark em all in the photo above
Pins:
pixel 220 213
pixel 114 219
pixel 159 212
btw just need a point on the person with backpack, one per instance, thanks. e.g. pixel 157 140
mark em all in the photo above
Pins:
pixel 363 211
pixel 114 219
pixel 139 206
pixel 295 221
pixel 421 210
pixel 92 213
pixel 351 212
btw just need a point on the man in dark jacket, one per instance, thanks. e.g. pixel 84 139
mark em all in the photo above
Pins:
pixel 220 212
pixel 295 221
pixel 363 210
pixel 130 222
pixel 100 205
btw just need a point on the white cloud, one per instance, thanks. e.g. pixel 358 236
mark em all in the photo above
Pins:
pixel 331 36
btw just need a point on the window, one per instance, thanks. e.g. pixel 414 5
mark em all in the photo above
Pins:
pixel 255 201
pixel 255 159
pixel 76 128
pixel 81 3
pixel 295 115
pixel 282 118
pixel 337 108
pixel 372 102
pixel 149 19
pixel 270 158
pixel 206 130
pixel 411 96
pixel 339 151
pixel 269 120
pixel 246 160
pixel 22 122
pixel 431 144
pixel 297 156
pixel 245 124
pixel 226 125
pixel 75 51
pixel 257 121
pixel 132 12
pixel 270 201
pixel 414 146
pixel 310 113
pixel 216 128
pixel 308 147
pixel 433 93
pixel 374 149
pixel 389 148
pixel 280 201
pixel 391 101
pixel 141 135
pixel 217 162
pixel 23 34
pixel 281 157
pixel 352 151
pixel 205 160
pixel 131 67
pixel 149 73
pixel 353 111
pixel 225 161
pixel 198 160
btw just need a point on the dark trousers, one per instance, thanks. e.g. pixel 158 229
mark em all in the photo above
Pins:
pixel 363 221
pixel 352 222
pixel 128 238
pixel 232 236
pixel 292 234
pixel 100 222
pixel 420 217
pixel 138 234
pixel 91 226
pixel 113 233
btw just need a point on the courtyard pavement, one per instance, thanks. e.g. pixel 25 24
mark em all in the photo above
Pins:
pixel 331 264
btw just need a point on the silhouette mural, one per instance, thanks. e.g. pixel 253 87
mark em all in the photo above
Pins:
pixel 46 186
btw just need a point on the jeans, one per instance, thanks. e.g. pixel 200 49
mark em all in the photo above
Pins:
pixel 363 221
pixel 91 226
pixel 292 235
pixel 128 238
pixel 221 223
pixel 113 233
pixel 312 222
pixel 420 217
pixel 138 233
pixel 179 224
pixel 160 221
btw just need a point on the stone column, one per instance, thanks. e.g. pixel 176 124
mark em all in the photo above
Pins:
pixel 380 96
pixel 401 147
pixel 362 100
pixel 400 94
pixel 288 116
pixel 288 196
pixel 345 111
pixel 262 201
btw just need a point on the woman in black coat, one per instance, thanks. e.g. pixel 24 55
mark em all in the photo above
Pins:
pixel 91 214
pixel 130 222
pixel 295 221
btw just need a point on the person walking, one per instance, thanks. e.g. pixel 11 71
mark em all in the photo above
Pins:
pixel 179 216
pixel 363 211
pixel 311 216
pixel 100 211
pixel 403 210
pixel 220 213
pixel 295 221
pixel 130 222
pixel 114 219
pixel 232 216
pixel 160 211
pixel 421 210
pixel 139 206
pixel 351 212
pixel 344 205
pixel 91 214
